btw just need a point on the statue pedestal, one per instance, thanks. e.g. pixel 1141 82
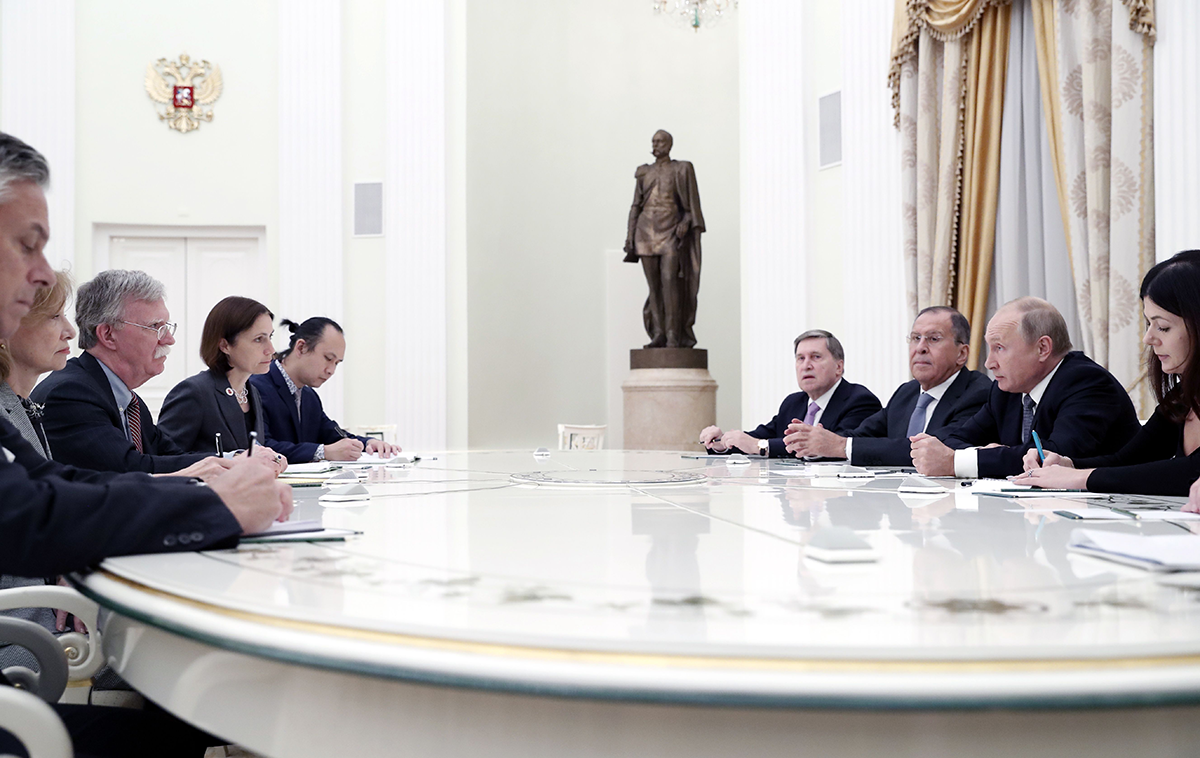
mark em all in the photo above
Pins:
pixel 669 398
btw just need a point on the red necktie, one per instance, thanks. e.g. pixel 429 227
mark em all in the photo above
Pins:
pixel 133 414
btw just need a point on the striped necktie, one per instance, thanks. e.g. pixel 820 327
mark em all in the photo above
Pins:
pixel 133 414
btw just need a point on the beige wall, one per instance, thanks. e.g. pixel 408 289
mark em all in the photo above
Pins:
pixel 562 99
pixel 823 187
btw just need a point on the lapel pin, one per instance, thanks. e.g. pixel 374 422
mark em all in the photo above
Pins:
pixel 229 391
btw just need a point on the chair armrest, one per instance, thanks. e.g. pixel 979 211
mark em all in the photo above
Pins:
pixel 83 653
pixel 34 723
pixel 50 681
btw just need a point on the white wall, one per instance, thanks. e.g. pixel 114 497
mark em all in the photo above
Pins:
pixel 562 99
pixel 132 169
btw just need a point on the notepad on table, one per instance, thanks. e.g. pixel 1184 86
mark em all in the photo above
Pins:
pixel 1163 552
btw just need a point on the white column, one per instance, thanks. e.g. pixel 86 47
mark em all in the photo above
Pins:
pixel 310 168
pixel 774 298
pixel 875 318
pixel 1176 114
pixel 37 102
pixel 415 221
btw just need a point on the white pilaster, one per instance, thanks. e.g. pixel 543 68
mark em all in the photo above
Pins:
pixel 37 102
pixel 310 168
pixel 774 297
pixel 1176 114
pixel 875 317
pixel 415 221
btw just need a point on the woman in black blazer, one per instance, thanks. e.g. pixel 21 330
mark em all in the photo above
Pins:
pixel 215 410
pixel 1164 457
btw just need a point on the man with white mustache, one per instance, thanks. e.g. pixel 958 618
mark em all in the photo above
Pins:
pixel 93 416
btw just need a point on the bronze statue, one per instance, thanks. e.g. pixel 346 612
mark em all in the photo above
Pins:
pixel 665 224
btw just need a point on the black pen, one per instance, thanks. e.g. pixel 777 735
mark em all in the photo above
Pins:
pixel 217 439
pixel 250 450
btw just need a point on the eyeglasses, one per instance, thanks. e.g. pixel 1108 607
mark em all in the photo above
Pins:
pixel 162 331
pixel 930 339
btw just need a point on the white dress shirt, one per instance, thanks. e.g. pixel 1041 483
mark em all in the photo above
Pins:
pixel 966 462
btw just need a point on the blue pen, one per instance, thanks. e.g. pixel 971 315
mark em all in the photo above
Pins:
pixel 1038 441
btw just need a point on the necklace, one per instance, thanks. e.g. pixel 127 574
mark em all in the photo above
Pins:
pixel 242 397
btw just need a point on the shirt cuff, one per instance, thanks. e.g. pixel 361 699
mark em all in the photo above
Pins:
pixel 850 449
pixel 966 463
pixel 320 454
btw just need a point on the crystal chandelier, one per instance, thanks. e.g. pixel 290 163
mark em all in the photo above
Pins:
pixel 695 13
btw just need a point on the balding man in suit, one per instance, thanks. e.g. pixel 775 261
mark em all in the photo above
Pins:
pixel 1077 408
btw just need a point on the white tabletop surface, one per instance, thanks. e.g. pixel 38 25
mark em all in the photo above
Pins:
pixel 555 574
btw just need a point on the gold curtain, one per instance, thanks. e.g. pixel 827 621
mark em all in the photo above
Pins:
pixel 986 74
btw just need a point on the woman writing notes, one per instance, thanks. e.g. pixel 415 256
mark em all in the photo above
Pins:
pixel 1164 457
pixel 215 410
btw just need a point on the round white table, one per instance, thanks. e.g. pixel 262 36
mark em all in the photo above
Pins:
pixel 607 603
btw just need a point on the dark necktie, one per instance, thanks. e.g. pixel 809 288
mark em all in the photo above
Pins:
pixel 1027 418
pixel 133 414
pixel 916 422
pixel 297 396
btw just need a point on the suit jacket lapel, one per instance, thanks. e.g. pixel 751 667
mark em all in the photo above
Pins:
pixel 833 412
pixel 231 413
pixel 949 398
pixel 92 366
pixel 288 400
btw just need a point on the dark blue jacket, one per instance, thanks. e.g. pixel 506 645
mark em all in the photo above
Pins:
pixel 292 436
pixel 84 425
pixel 882 440
pixel 1084 412
pixel 55 519
pixel 850 405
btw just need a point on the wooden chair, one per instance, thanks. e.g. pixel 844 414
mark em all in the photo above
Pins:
pixel 80 652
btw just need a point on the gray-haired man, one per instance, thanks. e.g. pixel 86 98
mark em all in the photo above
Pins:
pixel 93 417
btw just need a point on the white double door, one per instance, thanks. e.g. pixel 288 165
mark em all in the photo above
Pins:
pixel 197 273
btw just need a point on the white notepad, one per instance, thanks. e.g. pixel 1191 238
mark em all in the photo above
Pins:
pixel 1164 552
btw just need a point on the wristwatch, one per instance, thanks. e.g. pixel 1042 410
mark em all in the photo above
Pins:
pixel 764 447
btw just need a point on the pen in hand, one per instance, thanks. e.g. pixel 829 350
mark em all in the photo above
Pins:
pixel 1037 441
pixel 217 439
pixel 250 450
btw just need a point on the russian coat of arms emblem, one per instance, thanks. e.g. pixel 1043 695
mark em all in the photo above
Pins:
pixel 195 84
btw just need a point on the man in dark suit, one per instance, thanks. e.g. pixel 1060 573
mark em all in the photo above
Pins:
pixel 825 399
pixel 1077 407
pixel 941 396
pixel 56 519
pixel 93 418
pixel 296 422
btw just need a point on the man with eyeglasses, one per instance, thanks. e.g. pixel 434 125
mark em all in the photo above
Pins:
pixel 93 417
pixel 941 396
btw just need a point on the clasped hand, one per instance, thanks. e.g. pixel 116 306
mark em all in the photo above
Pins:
pixel 808 441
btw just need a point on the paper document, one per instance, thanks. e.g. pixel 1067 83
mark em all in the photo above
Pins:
pixel 1166 552
pixel 308 469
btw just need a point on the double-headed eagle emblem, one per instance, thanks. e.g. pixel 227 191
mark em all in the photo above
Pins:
pixel 196 84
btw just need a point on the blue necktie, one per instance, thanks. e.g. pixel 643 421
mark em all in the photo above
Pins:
pixel 916 422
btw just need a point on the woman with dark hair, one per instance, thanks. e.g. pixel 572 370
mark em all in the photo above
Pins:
pixel 296 420
pixel 1164 457
pixel 215 410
